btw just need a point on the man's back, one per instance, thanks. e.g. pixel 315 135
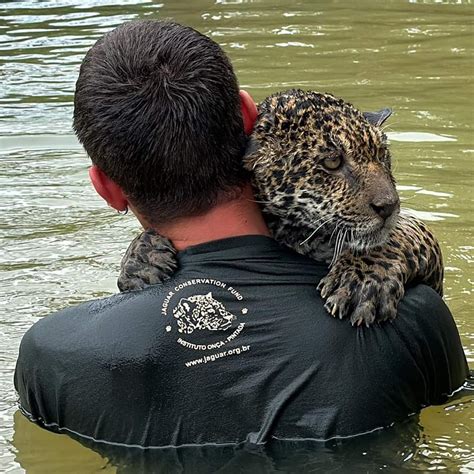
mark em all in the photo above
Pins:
pixel 237 346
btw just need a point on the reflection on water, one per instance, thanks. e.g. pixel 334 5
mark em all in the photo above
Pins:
pixel 60 245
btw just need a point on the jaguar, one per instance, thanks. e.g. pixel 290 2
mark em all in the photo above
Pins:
pixel 321 171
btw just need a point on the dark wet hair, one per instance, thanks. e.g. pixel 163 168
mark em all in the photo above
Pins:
pixel 157 109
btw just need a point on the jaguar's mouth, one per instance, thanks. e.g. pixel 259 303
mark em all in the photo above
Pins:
pixel 358 234
pixel 375 236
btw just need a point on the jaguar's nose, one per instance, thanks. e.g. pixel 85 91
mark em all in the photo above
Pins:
pixel 384 208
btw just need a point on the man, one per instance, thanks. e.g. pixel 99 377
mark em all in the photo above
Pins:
pixel 237 345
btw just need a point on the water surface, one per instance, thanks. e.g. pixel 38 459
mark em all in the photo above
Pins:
pixel 61 245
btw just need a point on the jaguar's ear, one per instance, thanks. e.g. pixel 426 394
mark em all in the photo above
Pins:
pixel 377 118
pixel 209 295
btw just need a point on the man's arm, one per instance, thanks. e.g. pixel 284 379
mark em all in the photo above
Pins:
pixel 430 334
pixel 32 374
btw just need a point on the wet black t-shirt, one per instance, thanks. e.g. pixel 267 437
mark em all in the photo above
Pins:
pixel 236 347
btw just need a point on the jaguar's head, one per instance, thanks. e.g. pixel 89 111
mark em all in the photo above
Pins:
pixel 320 163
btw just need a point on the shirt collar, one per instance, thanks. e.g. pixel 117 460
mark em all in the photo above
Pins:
pixel 246 246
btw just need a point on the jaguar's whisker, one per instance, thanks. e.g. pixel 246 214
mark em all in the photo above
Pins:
pixel 335 249
pixel 341 236
pixel 341 247
pixel 338 244
pixel 332 233
pixel 259 202
pixel 316 230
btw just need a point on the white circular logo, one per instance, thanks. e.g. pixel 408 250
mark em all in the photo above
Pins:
pixel 200 315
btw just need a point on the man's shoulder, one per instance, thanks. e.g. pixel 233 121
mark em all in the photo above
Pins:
pixel 94 322
pixel 427 328
pixel 424 316
pixel 423 305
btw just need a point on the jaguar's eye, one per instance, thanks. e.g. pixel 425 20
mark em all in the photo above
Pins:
pixel 332 163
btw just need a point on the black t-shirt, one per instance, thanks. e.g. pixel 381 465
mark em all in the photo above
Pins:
pixel 236 347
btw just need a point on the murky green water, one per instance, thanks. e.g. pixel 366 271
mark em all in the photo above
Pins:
pixel 60 245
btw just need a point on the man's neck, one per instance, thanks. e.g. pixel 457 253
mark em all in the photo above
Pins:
pixel 241 216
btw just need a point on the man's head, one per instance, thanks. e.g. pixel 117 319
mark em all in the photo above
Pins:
pixel 157 109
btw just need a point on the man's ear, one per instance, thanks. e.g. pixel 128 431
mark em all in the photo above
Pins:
pixel 249 111
pixel 108 189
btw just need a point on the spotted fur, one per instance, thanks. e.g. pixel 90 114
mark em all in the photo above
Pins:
pixel 348 217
